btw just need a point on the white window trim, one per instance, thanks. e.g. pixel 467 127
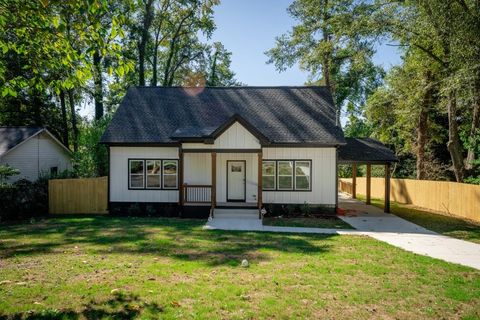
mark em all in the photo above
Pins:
pixel 274 175
pixel 153 174
pixel 309 175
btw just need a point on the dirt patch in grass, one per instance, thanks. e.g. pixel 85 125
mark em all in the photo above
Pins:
pixel 330 222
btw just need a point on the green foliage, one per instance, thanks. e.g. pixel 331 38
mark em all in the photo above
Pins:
pixel 91 159
pixel 24 199
pixel 305 209
pixel 6 172
pixel 334 42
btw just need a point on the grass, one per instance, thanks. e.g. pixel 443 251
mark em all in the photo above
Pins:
pixel 330 222
pixel 443 224
pixel 126 268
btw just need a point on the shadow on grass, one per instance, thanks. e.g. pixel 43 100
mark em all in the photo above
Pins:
pixel 120 306
pixel 180 239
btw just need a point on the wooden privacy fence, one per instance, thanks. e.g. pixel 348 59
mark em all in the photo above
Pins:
pixel 89 195
pixel 459 199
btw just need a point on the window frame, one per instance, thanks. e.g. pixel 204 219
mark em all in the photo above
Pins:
pixel 130 174
pixel 169 174
pixel 274 176
pixel 292 185
pixel 309 175
pixel 154 174
pixel 144 187
pixel 294 189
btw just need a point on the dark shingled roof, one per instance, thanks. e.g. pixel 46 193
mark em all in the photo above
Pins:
pixel 12 136
pixel 280 114
pixel 365 150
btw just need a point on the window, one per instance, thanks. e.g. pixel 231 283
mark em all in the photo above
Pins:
pixel 268 175
pixel 285 175
pixel 137 174
pixel 154 174
pixel 170 173
pixel 302 175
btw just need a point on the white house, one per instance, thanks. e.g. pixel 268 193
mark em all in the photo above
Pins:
pixel 195 150
pixel 33 151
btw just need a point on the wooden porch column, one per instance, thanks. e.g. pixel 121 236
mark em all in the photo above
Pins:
pixel 180 178
pixel 369 182
pixel 387 188
pixel 354 181
pixel 259 182
pixel 214 179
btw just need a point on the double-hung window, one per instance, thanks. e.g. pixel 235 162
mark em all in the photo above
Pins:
pixel 137 174
pixel 154 174
pixel 269 175
pixel 170 174
pixel 286 175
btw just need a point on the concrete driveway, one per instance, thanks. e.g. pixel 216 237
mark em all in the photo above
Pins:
pixel 372 221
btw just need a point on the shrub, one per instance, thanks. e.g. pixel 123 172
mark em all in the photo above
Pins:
pixel 305 209
pixel 24 199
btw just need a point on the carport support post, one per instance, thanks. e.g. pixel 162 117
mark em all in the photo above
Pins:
pixel 387 189
pixel 369 182
pixel 354 181
pixel 259 184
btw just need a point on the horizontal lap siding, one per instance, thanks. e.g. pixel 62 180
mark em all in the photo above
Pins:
pixel 323 175
pixel 119 191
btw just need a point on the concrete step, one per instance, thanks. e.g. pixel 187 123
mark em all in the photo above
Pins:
pixel 235 213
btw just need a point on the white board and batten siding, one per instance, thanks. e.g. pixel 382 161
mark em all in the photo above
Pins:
pixel 36 156
pixel 235 137
pixel 119 173
pixel 323 175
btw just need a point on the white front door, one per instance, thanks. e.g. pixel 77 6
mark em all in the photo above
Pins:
pixel 235 180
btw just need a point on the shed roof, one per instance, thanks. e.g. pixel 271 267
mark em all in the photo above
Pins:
pixel 365 150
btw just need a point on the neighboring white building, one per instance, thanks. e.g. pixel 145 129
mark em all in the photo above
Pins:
pixel 199 149
pixel 33 151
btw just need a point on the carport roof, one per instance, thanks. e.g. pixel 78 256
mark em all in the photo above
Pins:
pixel 365 150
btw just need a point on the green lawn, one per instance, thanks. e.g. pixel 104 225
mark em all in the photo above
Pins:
pixel 123 268
pixel 446 225
pixel 330 222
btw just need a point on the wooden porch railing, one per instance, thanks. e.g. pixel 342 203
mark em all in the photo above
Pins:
pixel 197 193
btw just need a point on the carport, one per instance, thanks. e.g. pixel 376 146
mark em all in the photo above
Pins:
pixel 367 151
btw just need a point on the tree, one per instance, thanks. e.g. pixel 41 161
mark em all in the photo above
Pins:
pixel 334 41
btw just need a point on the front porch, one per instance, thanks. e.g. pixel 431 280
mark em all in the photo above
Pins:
pixel 221 179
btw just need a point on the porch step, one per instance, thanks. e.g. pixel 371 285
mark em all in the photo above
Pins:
pixel 235 213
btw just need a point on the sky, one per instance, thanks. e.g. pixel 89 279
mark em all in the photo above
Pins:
pixel 248 28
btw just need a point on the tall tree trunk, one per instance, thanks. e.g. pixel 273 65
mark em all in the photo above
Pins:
pixel 212 79
pixel 453 145
pixel 422 126
pixel 98 85
pixel 475 124
pixel 64 119
pixel 71 100
pixel 142 45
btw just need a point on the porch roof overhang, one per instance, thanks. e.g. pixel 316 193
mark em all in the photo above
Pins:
pixel 365 151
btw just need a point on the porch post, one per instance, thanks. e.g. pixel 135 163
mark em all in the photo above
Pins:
pixel 259 181
pixel 387 188
pixel 180 177
pixel 214 180
pixel 369 182
pixel 354 181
